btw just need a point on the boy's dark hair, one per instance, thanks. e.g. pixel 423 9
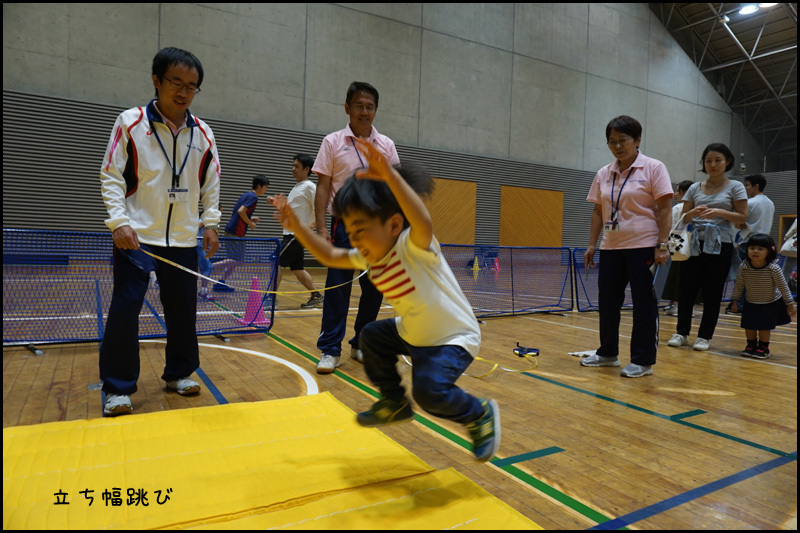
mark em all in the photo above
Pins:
pixel 259 180
pixel 684 185
pixel 757 180
pixel 721 148
pixel 357 86
pixel 765 241
pixel 305 160
pixel 167 57
pixel 375 198
pixel 625 124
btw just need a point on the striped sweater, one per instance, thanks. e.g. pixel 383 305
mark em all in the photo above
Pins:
pixel 764 285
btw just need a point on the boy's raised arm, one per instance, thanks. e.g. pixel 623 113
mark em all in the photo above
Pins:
pixel 421 232
pixel 327 254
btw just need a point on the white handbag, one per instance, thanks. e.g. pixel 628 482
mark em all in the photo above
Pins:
pixel 680 242
pixel 789 248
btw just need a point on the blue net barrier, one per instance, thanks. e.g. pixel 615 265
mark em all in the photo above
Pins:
pixel 501 280
pixel 586 285
pixel 57 287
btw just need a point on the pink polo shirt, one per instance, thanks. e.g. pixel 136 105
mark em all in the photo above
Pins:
pixel 648 181
pixel 339 158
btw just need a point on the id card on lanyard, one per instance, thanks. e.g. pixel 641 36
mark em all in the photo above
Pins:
pixel 176 194
pixel 613 224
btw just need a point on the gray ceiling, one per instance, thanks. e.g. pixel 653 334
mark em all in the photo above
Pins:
pixel 750 59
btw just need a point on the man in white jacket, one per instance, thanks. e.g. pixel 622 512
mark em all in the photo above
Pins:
pixel 161 162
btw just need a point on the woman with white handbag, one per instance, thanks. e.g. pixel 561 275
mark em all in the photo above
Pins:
pixel 711 205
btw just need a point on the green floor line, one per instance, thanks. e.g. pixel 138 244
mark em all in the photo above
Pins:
pixel 678 419
pixel 526 478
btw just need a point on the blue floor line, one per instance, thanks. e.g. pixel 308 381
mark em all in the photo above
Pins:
pixel 678 419
pixel 680 499
pixel 211 387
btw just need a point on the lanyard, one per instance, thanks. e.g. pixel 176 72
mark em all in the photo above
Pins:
pixel 357 153
pixel 175 176
pixel 613 183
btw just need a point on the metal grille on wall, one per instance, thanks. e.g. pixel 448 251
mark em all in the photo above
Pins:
pixel 53 149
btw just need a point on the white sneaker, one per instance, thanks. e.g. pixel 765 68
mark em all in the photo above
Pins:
pixel 117 404
pixel 184 386
pixel 700 345
pixel 636 371
pixel 357 355
pixel 678 340
pixel 327 364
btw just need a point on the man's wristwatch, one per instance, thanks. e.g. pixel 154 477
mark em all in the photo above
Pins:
pixel 663 246
pixel 214 227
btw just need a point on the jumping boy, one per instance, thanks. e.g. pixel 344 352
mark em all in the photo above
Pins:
pixel 392 235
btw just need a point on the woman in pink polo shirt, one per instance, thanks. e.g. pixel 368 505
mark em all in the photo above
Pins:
pixel 633 208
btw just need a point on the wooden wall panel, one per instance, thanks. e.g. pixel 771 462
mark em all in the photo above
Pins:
pixel 531 217
pixel 452 207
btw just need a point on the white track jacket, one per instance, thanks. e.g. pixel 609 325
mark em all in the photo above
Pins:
pixel 143 161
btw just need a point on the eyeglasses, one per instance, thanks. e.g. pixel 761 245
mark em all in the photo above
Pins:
pixel 179 85
pixel 619 142
pixel 368 108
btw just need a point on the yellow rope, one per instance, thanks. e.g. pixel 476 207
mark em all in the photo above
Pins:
pixel 197 274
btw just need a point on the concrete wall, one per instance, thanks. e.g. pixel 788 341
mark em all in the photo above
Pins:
pixel 528 82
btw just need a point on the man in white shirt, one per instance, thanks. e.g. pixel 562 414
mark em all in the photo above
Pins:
pixel 301 199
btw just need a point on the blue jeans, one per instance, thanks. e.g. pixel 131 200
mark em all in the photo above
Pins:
pixel 435 371
pixel 337 301
pixel 119 351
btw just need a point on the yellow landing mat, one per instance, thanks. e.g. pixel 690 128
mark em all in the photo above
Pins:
pixel 299 463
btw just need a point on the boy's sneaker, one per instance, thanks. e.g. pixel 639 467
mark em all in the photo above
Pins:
pixel 327 363
pixel 636 371
pixel 701 345
pixel 762 352
pixel 485 431
pixel 117 404
pixel 599 360
pixel 678 340
pixel 357 355
pixel 184 386
pixel 386 411
pixel 314 301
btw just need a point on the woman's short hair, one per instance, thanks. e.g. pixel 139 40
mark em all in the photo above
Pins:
pixel 721 148
pixel 625 124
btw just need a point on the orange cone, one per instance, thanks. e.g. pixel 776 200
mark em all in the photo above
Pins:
pixel 254 315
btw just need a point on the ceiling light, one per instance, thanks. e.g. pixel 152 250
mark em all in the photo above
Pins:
pixel 724 19
pixel 765 6
pixel 748 9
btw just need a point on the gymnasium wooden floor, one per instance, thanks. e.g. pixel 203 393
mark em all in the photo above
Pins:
pixel 707 442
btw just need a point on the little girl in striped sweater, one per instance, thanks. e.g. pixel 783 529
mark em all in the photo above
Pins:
pixel 769 302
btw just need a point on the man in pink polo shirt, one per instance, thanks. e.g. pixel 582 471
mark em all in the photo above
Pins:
pixel 337 160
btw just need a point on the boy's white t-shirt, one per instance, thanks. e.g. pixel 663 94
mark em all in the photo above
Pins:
pixel 431 308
